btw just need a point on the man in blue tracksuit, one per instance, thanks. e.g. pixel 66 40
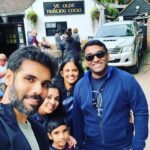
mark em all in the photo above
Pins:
pixel 103 101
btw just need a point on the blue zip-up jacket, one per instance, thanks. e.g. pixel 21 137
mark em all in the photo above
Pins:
pixel 12 138
pixel 120 95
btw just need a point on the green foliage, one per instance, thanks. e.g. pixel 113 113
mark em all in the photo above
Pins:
pixel 106 1
pixel 32 16
pixel 111 11
pixel 95 13
pixel 122 2
pixel 113 1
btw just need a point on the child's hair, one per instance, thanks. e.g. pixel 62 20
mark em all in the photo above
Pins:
pixel 55 121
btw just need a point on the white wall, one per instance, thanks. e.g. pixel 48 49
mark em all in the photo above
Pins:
pixel 82 21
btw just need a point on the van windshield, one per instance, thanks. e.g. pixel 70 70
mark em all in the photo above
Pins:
pixel 115 31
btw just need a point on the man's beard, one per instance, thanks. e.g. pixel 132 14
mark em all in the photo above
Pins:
pixel 20 106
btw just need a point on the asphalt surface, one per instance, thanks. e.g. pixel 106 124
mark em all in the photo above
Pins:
pixel 143 77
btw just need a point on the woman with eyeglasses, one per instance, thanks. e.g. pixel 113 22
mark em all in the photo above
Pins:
pixel 3 62
pixel 70 71
pixel 3 66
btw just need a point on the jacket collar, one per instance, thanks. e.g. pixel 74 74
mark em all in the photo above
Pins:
pixel 87 75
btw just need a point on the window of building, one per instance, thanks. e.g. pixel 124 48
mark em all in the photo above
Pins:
pixel 10 34
pixel 51 27
pixel 15 19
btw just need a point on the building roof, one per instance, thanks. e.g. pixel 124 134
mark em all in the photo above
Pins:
pixel 132 8
pixel 14 7
pixel 117 5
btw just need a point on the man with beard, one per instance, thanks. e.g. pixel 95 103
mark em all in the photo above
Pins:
pixel 103 99
pixel 28 76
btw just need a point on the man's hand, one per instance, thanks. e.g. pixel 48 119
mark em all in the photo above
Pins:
pixel 72 141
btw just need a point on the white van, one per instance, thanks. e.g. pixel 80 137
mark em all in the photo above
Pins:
pixel 124 42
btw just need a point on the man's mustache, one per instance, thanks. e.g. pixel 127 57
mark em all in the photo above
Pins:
pixel 37 97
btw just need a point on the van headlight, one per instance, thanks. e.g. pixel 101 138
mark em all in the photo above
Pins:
pixel 128 48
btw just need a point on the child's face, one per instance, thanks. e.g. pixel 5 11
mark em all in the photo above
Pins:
pixel 51 102
pixel 59 136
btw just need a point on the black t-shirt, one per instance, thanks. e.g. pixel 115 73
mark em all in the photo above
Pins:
pixel 97 89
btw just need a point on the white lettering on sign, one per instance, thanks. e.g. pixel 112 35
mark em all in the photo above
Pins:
pixel 69 5
pixel 74 10
pixel 56 6
pixel 56 11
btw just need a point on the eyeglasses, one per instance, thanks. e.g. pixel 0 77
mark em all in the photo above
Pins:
pixel 99 54
pixel 4 59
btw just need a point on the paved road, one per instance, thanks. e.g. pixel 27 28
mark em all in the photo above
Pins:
pixel 143 78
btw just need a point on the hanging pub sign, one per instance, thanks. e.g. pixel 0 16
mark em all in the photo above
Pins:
pixel 63 8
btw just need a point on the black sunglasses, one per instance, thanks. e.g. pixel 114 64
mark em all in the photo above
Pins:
pixel 99 54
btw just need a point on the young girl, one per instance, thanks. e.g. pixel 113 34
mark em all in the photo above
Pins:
pixel 58 133
pixel 69 73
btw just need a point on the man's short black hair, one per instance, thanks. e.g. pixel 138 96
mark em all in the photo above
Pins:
pixel 30 53
pixel 94 42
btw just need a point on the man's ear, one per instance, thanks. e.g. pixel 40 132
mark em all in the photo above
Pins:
pixel 9 77
pixel 49 135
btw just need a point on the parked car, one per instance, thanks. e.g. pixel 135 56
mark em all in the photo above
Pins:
pixel 124 42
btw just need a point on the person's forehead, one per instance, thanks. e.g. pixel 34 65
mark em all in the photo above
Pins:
pixel 70 66
pixel 35 68
pixel 53 89
pixel 60 128
pixel 93 48
pixel 53 92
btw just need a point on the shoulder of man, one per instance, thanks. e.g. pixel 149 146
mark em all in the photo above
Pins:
pixel 82 83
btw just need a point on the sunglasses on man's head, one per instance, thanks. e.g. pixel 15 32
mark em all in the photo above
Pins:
pixel 99 54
